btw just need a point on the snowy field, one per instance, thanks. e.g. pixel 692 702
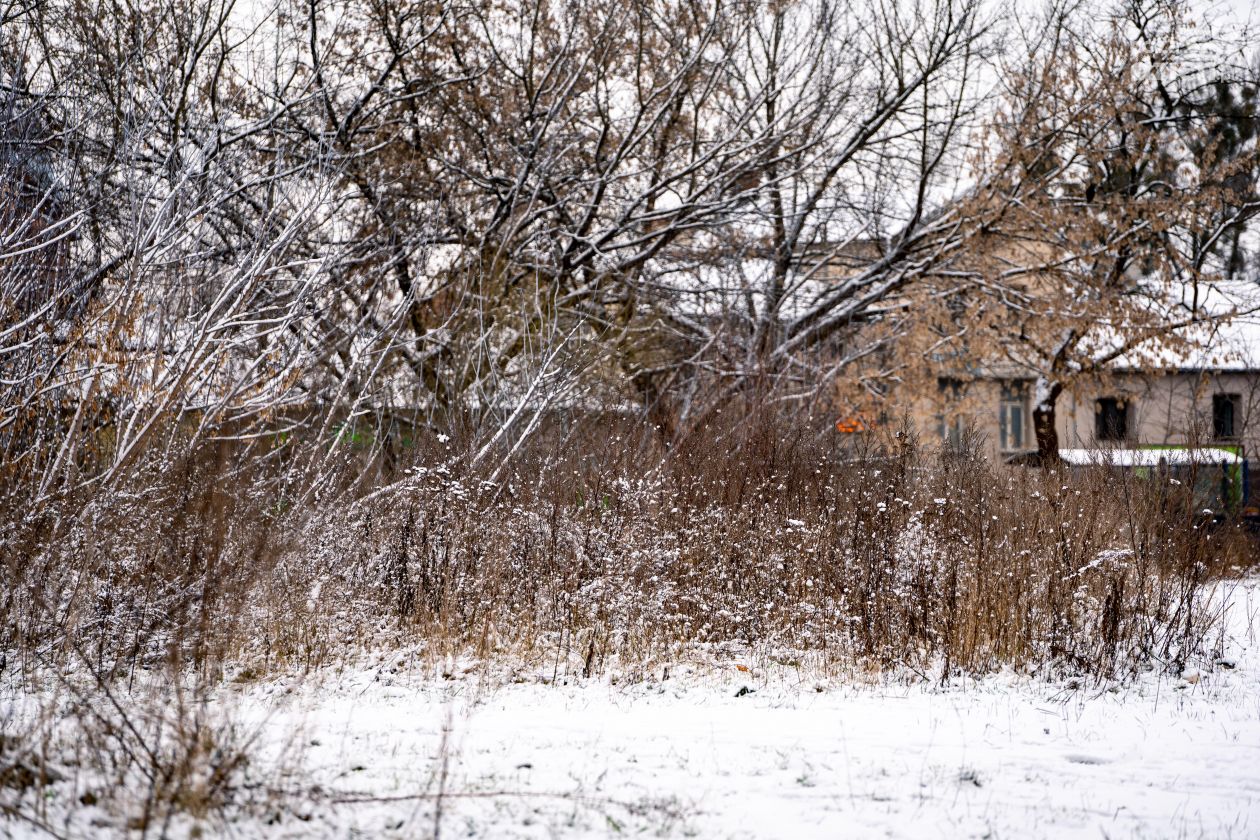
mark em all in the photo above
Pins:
pixel 688 758
pixel 398 750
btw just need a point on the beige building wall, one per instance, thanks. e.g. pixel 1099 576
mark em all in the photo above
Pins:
pixel 1168 409
pixel 1175 409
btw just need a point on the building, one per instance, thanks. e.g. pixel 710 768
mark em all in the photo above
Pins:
pixel 1208 398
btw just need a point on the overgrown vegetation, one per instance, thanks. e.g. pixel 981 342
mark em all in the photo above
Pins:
pixel 895 556
pixel 595 555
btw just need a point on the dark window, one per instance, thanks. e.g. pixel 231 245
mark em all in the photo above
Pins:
pixel 1225 411
pixel 1111 419
pixel 950 389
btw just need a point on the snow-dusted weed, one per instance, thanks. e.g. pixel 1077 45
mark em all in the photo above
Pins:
pixel 133 617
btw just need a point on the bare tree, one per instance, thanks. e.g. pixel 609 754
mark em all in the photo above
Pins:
pixel 176 281
pixel 223 221
pixel 860 117
pixel 674 183
pixel 561 151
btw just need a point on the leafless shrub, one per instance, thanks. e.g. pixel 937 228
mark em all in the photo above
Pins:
pixel 752 532
pixel 145 756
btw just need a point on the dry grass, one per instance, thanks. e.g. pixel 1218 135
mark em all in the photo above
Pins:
pixel 596 554
pixel 897 556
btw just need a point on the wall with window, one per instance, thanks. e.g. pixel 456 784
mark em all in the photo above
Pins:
pixel 1202 409
pixel 996 413
pixel 1130 410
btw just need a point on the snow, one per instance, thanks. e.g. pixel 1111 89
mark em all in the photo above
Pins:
pixel 746 745
pixel 990 760
pixel 1148 457
pixel 713 750
pixel 1233 345
pixel 1228 341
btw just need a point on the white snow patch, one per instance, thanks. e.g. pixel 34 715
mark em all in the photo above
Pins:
pixel 729 752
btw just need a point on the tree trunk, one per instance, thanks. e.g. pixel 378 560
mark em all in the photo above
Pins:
pixel 1046 397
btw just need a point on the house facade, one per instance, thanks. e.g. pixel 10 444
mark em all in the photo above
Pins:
pixel 1206 393
pixel 1203 407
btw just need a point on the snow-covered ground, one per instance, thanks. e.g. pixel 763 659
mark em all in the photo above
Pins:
pixel 689 758
pixel 400 750
pixel 697 755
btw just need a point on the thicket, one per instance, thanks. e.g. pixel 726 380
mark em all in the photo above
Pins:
pixel 603 549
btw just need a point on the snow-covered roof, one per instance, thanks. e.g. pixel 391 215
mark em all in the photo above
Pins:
pixel 1232 345
pixel 1228 341
pixel 1147 457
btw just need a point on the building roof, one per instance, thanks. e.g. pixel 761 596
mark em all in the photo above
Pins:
pixel 1230 341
